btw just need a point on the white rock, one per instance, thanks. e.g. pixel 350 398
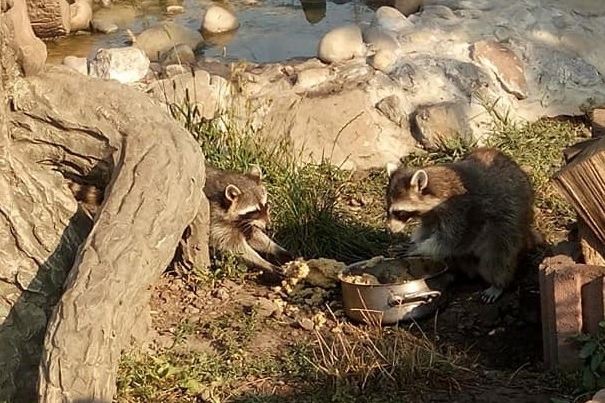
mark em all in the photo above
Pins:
pixel 80 15
pixel 218 20
pixel 378 39
pixel 80 64
pixel 127 65
pixel 342 43
pixel 390 19
pixel 383 60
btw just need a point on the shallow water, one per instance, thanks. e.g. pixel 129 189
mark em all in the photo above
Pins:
pixel 270 30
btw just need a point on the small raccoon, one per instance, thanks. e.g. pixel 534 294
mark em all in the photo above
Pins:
pixel 476 214
pixel 90 196
pixel 239 215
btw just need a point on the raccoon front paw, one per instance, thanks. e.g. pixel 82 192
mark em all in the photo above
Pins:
pixel 402 250
pixel 284 256
pixel 491 294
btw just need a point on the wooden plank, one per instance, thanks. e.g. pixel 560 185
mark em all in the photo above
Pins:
pixel 582 182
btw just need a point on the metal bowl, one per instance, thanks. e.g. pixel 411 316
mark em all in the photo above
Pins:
pixel 390 302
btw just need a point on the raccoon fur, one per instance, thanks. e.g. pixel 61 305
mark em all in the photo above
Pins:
pixel 476 214
pixel 90 196
pixel 239 216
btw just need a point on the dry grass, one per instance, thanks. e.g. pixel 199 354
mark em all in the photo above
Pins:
pixel 372 358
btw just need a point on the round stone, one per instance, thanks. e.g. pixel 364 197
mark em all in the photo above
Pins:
pixel 218 20
pixel 390 19
pixel 342 43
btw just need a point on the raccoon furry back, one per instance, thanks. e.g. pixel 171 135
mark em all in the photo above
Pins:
pixel 475 214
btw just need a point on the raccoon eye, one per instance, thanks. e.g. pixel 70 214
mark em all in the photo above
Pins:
pixel 250 215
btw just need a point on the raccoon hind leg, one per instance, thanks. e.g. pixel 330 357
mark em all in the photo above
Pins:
pixel 497 264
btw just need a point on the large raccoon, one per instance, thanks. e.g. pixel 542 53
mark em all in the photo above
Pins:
pixel 475 214
pixel 239 215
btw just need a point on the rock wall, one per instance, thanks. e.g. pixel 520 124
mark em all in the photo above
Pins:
pixel 453 68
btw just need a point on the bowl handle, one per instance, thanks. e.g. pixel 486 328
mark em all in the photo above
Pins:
pixel 423 296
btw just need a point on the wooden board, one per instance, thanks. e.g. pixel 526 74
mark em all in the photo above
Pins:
pixel 582 182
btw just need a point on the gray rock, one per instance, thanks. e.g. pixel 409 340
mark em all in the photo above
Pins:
pixel 310 78
pixel 172 70
pixel 383 60
pixel 80 64
pixel 598 122
pixel 127 65
pixel 80 15
pixel 384 46
pixel 264 307
pixel 378 39
pixel 342 43
pixel 178 54
pixel 504 63
pixel 407 7
pixel 392 107
pixel 390 19
pixel 440 122
pixel 208 93
pixel 104 26
pixel 160 38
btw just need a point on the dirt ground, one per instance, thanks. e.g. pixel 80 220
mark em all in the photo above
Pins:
pixel 502 341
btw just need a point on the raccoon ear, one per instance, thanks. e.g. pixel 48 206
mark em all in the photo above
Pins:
pixel 232 192
pixel 419 180
pixel 391 168
pixel 256 172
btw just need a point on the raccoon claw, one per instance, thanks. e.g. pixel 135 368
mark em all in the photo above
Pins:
pixel 491 294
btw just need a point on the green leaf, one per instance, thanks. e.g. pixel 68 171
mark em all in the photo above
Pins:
pixel 588 349
pixel 588 380
pixel 193 386
pixel 595 362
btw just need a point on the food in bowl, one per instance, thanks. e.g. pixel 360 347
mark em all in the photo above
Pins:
pixel 389 290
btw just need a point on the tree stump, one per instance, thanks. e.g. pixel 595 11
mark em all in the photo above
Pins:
pixel 64 123
pixel 49 19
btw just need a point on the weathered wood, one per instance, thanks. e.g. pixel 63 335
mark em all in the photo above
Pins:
pixel 49 18
pixel 593 251
pixel 155 191
pixel 582 182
